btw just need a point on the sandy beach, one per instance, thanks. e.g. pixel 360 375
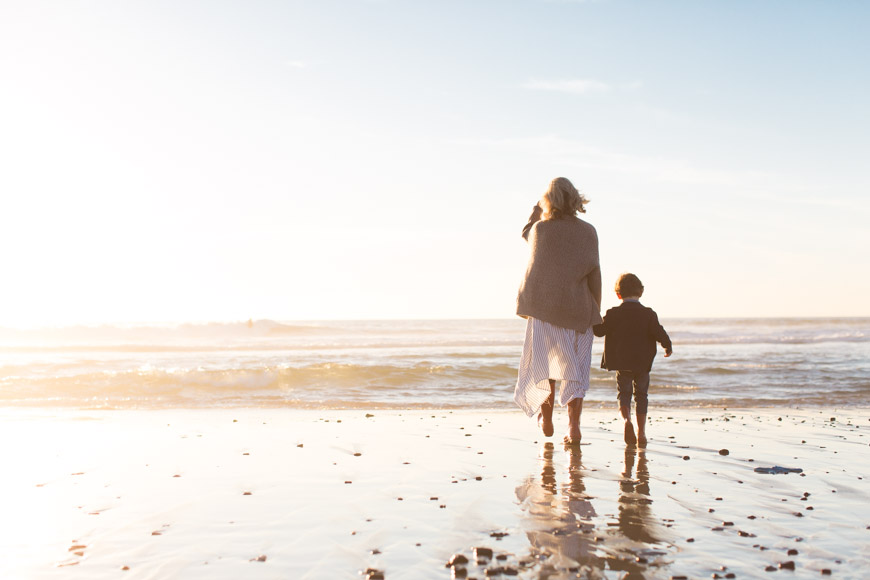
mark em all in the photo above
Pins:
pixel 278 493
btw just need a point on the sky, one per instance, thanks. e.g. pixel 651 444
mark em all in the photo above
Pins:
pixel 189 161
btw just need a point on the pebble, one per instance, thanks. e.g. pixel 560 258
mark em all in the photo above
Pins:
pixel 786 565
pixel 724 452
pixel 457 560
pixel 128 567
pixel 260 558
pixel 792 552
pixel 483 553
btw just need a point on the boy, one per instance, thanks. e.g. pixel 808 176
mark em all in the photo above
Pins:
pixel 630 333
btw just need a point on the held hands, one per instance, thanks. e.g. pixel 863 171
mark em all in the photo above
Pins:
pixel 668 352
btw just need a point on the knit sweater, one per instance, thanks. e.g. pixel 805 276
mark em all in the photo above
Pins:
pixel 562 284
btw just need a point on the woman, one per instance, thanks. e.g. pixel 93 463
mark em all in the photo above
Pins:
pixel 561 298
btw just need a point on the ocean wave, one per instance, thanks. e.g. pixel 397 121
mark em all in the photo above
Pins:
pixel 185 384
pixel 689 338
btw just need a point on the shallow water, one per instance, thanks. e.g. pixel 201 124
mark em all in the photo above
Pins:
pixel 415 364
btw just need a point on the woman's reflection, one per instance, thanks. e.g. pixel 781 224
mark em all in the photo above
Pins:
pixel 562 520
pixel 561 527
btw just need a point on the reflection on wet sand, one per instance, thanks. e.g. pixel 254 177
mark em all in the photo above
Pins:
pixel 635 517
pixel 568 539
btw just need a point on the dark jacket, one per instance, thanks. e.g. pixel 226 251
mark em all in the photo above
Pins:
pixel 630 333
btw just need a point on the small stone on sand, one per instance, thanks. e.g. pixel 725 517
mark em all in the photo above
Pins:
pixel 457 560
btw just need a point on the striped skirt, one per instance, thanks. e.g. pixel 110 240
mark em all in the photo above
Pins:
pixel 552 352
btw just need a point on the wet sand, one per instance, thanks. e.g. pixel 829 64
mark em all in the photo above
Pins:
pixel 272 493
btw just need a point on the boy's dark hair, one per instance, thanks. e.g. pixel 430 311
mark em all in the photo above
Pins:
pixel 629 285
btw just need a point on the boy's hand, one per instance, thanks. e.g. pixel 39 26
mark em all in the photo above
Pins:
pixel 668 353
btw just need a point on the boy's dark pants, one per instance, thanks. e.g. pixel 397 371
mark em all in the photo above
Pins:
pixel 638 383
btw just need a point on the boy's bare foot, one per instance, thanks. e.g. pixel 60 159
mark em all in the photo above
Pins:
pixel 630 439
pixel 545 425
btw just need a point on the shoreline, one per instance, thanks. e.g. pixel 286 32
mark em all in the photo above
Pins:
pixel 205 493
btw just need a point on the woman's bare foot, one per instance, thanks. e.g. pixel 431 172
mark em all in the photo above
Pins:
pixel 545 423
pixel 575 407
pixel 545 417
pixel 572 438
pixel 630 439
pixel 641 440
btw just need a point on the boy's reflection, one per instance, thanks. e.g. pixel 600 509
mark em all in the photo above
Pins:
pixel 562 528
pixel 635 519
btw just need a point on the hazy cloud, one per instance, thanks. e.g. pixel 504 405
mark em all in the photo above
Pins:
pixel 573 86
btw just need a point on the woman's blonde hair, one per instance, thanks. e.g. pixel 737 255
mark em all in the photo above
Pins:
pixel 562 200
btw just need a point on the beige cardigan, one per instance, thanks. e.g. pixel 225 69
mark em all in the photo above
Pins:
pixel 562 284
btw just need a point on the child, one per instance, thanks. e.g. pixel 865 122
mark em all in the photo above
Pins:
pixel 630 333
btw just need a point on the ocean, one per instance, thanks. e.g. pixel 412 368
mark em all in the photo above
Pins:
pixel 416 364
